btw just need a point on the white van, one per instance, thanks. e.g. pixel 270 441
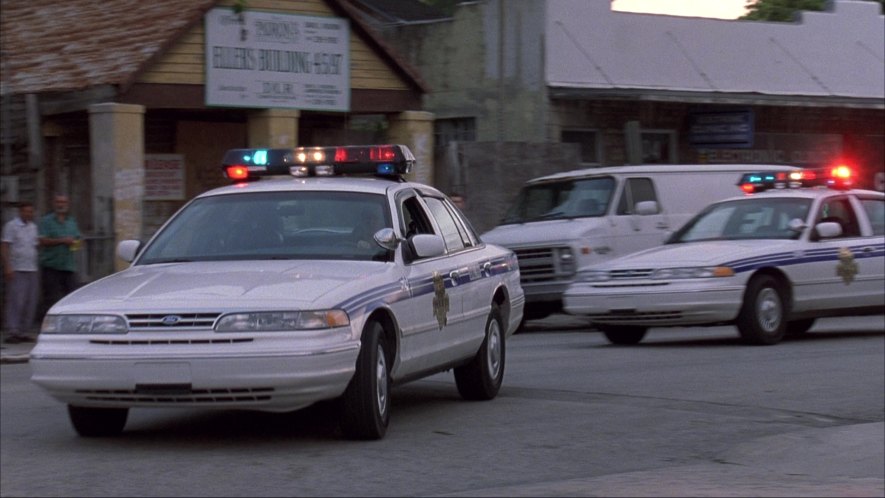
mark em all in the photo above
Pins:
pixel 562 222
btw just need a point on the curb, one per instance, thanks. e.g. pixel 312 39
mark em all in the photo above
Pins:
pixel 14 358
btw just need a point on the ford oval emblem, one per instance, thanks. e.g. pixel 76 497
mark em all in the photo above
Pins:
pixel 171 319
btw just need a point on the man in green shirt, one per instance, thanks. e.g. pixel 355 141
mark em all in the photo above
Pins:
pixel 59 238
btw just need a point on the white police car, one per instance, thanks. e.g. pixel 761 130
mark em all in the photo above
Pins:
pixel 278 293
pixel 769 262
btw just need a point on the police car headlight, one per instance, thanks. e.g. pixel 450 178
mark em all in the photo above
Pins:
pixel 692 272
pixel 83 324
pixel 281 321
pixel 590 276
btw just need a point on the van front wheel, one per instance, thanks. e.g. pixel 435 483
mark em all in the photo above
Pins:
pixel 97 422
pixel 623 334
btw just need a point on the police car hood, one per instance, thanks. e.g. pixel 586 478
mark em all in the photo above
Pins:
pixel 711 253
pixel 219 285
pixel 551 232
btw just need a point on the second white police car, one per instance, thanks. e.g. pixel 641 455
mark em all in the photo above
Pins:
pixel 797 246
pixel 278 293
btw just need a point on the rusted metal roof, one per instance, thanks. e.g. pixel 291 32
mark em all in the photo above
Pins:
pixel 69 45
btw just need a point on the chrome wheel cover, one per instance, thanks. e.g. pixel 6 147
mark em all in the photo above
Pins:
pixel 381 394
pixel 769 310
pixel 493 349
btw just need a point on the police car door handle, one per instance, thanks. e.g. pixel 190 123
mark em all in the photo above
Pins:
pixel 487 268
pixel 454 275
pixel 662 225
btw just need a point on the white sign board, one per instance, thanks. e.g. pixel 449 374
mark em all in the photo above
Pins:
pixel 272 60
pixel 163 177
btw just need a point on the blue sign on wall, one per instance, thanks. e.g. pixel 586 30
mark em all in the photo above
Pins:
pixel 724 129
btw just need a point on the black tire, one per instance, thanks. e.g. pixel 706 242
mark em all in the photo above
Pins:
pixel 623 334
pixel 799 327
pixel 761 320
pixel 480 379
pixel 365 404
pixel 97 422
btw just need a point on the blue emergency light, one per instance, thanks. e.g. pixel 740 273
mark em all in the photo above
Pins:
pixel 391 161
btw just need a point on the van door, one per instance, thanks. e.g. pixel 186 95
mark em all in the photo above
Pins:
pixel 632 231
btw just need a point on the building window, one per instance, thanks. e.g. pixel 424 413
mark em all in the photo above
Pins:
pixel 658 146
pixel 453 130
pixel 589 142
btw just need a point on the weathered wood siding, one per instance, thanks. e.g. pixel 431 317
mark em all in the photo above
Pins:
pixel 183 63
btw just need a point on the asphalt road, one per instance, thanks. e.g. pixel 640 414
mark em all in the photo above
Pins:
pixel 688 412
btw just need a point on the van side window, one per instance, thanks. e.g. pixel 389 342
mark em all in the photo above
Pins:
pixel 636 190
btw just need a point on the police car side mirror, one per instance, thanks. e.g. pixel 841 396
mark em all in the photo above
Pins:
pixel 386 238
pixel 828 229
pixel 128 249
pixel 645 208
pixel 427 245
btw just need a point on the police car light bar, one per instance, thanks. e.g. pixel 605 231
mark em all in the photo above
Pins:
pixel 380 160
pixel 838 177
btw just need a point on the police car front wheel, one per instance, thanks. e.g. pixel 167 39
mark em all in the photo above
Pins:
pixel 365 404
pixel 761 319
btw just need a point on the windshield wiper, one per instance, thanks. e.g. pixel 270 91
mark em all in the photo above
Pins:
pixel 168 260
pixel 551 214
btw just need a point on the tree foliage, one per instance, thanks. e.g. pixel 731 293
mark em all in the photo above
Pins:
pixel 784 10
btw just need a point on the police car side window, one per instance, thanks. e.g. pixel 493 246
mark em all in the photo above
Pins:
pixel 414 219
pixel 875 209
pixel 636 190
pixel 450 229
pixel 839 210
pixel 468 235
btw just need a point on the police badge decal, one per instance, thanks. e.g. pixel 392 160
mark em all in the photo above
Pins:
pixel 847 267
pixel 440 300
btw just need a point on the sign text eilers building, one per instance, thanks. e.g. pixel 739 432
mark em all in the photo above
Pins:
pixel 273 60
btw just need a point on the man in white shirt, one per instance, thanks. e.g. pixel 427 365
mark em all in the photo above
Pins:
pixel 18 249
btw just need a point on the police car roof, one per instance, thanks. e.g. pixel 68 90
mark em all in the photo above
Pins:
pixel 284 183
pixel 804 193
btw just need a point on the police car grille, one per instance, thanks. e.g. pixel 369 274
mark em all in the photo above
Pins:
pixel 167 342
pixel 166 321
pixel 191 396
pixel 626 274
pixel 538 264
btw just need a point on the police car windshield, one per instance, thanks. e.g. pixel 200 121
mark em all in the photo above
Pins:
pixel 273 225
pixel 572 198
pixel 754 218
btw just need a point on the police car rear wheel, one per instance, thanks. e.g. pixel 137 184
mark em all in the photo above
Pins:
pixel 623 334
pixel 481 378
pixel 761 320
pixel 366 401
pixel 97 422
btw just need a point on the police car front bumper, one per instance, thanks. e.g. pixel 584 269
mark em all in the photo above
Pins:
pixel 267 373
pixel 690 302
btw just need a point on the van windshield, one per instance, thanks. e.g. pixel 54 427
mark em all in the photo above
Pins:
pixel 569 198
